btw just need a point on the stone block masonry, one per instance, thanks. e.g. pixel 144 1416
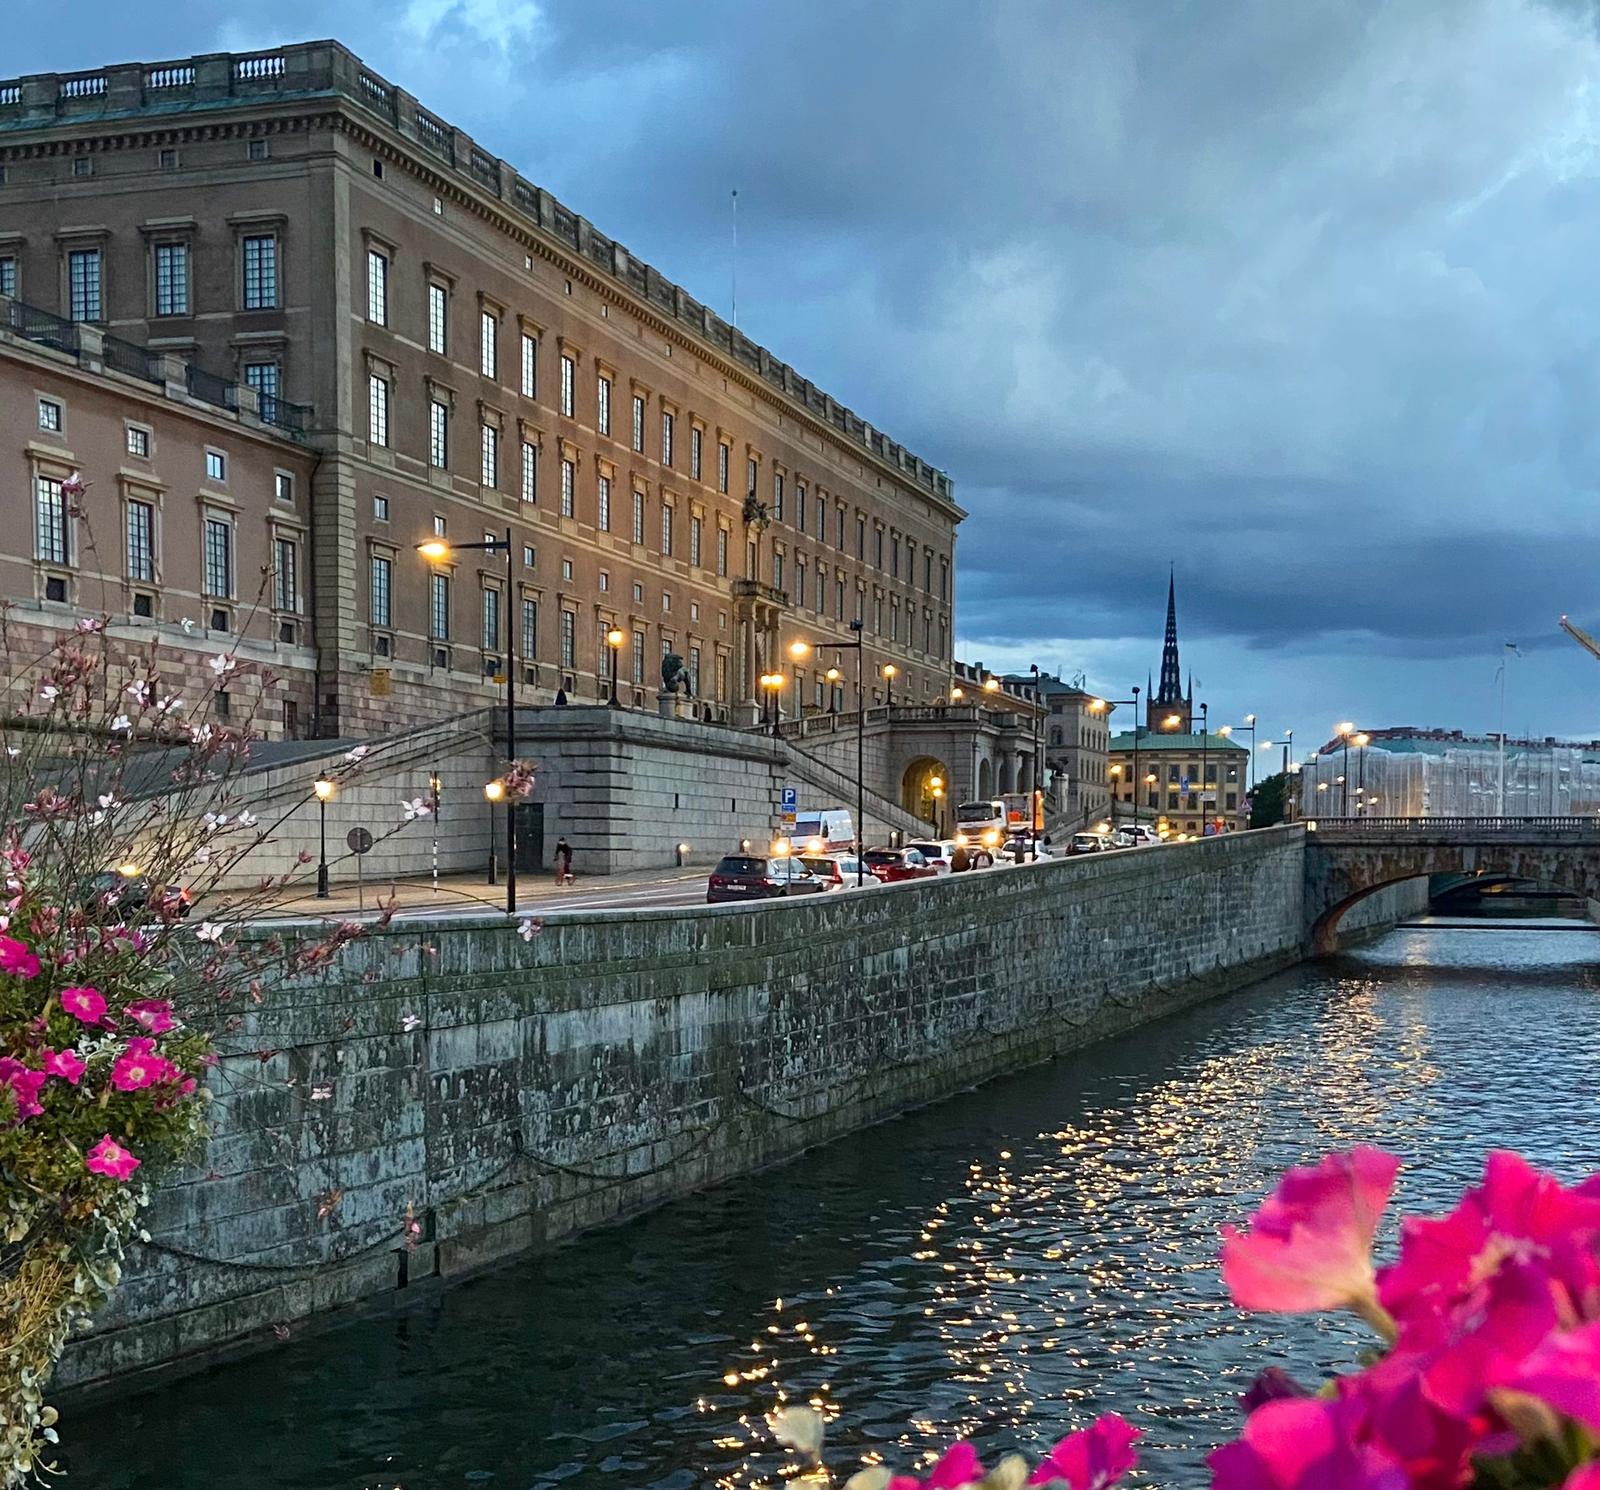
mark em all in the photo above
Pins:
pixel 506 1094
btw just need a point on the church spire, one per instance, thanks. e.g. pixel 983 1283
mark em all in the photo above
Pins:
pixel 1171 678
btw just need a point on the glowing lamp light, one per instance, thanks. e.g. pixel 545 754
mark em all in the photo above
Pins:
pixel 799 650
pixel 614 638
pixel 323 789
pixel 494 790
pixel 436 549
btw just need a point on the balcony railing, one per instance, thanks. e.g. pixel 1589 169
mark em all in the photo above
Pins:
pixel 35 325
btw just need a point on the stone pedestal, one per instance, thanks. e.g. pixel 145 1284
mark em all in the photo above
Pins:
pixel 670 705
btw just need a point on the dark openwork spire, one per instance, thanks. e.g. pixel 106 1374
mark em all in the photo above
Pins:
pixel 1171 679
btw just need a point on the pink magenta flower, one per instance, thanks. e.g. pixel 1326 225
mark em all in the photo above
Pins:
pixel 152 1015
pixel 1516 1212
pixel 1565 1373
pixel 1094 1458
pixel 139 1066
pixel 1305 1443
pixel 16 959
pixel 1586 1478
pixel 958 1467
pixel 24 1083
pixel 84 1004
pixel 1310 1244
pixel 65 1064
pixel 109 1158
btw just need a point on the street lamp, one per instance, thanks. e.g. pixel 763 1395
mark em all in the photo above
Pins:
pixel 614 641
pixel 1205 760
pixel 1361 741
pixel 1036 797
pixel 323 789
pixel 1344 731
pixel 936 791
pixel 889 672
pixel 1172 721
pixel 858 646
pixel 437 551
pixel 833 675
pixel 773 683
pixel 493 791
pixel 1099 705
pixel 799 651
pixel 957 693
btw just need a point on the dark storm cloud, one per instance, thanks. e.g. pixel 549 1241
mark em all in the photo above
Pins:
pixel 1299 296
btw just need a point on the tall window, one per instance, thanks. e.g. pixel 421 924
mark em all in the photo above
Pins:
pixel 50 521
pixel 696 524
pixel 666 438
pixel 439 607
pixel 877 548
pixel 491 619
pixel 219 557
pixel 377 288
pixel 378 410
pixel 487 329
pixel 603 404
pixel 751 471
pixel 602 516
pixel 861 538
pixel 696 445
pixel 530 627
pixel 489 475
pixel 694 671
pixel 530 366
pixel 638 422
pixel 569 488
pixel 286 574
pixel 260 273
pixel 666 529
pixel 530 472
pixel 777 569
pixel 382 588
pixel 638 656
pixel 777 496
pixel 722 551
pixel 172 279
pixel 569 639
pixel 569 386
pixel 8 275
pixel 438 317
pixel 438 435
pixel 638 517
pixel 141 541
pixel 840 539
pixel 822 590
pixel 799 507
pixel 83 283
pixel 724 454
pixel 263 377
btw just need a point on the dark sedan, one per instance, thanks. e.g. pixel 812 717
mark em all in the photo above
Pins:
pixel 891 865
pixel 745 877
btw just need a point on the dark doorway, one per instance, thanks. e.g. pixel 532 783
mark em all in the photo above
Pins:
pixel 530 836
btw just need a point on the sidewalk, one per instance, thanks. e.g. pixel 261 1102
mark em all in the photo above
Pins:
pixel 466 893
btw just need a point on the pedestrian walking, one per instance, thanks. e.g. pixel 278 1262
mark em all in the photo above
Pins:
pixel 564 862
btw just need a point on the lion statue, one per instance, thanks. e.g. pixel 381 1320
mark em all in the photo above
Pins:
pixel 675 676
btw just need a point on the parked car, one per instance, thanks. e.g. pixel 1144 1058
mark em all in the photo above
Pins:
pixel 134 893
pixel 1024 850
pixel 747 877
pixel 1090 843
pixel 837 871
pixel 891 865
pixel 1140 834
pixel 938 852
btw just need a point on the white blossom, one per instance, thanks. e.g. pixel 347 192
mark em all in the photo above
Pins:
pixel 321 1093
pixel 246 820
pixel 187 624
pixel 122 725
pixel 529 927
pixel 214 822
pixel 139 689
pixel 13 751
pixel 200 734
pixel 352 756
pixel 222 664
pixel 108 800
pixel 415 808
pixel 210 931
pixel 171 704
pixel 798 1428
pixel 409 1022
pixel 49 693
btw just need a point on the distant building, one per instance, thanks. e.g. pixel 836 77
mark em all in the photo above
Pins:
pixel 1166 772
pixel 1077 734
pixel 1410 772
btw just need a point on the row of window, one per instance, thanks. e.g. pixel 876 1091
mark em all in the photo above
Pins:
pixel 172 291
pixel 803 507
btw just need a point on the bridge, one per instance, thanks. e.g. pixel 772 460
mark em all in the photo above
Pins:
pixel 1348 858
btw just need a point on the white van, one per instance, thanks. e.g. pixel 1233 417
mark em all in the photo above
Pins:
pixel 827 830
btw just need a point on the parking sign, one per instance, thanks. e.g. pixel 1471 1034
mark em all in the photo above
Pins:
pixel 790 800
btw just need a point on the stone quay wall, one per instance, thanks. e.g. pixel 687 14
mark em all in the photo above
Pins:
pixel 498 1093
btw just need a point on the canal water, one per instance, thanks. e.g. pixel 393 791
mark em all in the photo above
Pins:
pixel 1003 1266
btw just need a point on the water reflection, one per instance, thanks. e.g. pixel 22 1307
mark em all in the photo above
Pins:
pixel 1004 1265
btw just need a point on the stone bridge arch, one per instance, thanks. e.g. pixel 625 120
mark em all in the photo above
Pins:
pixel 917 789
pixel 1345 865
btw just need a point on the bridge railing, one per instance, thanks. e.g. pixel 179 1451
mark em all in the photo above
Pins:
pixel 1419 827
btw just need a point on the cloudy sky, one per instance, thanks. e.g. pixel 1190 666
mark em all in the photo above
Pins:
pixel 1298 296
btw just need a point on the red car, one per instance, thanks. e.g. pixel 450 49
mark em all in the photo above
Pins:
pixel 891 865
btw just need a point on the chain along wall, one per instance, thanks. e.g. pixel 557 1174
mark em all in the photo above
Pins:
pixel 447 1096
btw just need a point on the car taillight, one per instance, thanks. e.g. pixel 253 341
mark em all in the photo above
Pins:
pixel 718 881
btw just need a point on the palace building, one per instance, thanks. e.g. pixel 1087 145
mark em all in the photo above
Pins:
pixel 388 335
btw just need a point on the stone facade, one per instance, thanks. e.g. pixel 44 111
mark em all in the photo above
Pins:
pixel 615 1062
pixel 474 356
pixel 1166 770
pixel 173 481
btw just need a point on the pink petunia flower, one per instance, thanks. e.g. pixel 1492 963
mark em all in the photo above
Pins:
pixel 1565 1372
pixel 1094 1458
pixel 109 1158
pixel 138 1068
pixel 1306 1443
pixel 957 1468
pixel 16 959
pixel 25 1084
pixel 1310 1244
pixel 1586 1478
pixel 86 1005
pixel 66 1065
pixel 152 1015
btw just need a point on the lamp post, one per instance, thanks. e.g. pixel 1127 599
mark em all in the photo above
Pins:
pixel 833 675
pixel 433 783
pixel 889 672
pixel 1205 760
pixel 773 684
pixel 614 641
pixel 437 551
pixel 858 646
pixel 936 791
pixel 323 790
pixel 799 651
pixel 1036 796
pixel 1344 731
pixel 1362 740
pixel 493 791
pixel 1097 706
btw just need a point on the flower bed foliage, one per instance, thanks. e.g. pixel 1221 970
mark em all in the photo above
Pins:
pixel 1485 1374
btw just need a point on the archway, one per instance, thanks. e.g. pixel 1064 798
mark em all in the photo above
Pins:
pixel 985 780
pixel 925 790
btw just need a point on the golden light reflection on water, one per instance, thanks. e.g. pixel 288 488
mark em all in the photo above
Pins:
pixel 1075 1269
